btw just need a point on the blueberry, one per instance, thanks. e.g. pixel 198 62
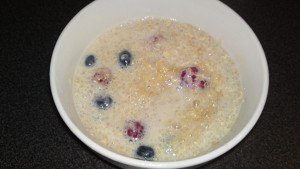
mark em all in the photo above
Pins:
pixel 103 102
pixel 145 152
pixel 125 58
pixel 90 60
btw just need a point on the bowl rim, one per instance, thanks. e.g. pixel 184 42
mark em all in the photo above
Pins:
pixel 152 164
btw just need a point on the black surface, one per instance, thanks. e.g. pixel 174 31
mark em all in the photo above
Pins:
pixel 33 134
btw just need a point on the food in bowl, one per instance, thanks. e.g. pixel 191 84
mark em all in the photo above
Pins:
pixel 157 89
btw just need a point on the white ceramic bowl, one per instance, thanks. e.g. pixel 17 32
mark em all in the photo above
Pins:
pixel 212 16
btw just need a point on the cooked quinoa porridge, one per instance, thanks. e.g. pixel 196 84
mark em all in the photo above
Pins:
pixel 157 89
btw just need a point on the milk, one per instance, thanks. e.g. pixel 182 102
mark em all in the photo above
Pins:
pixel 180 121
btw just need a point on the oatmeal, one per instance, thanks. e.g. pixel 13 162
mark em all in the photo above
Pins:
pixel 157 89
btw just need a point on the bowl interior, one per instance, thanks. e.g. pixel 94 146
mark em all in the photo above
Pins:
pixel 211 16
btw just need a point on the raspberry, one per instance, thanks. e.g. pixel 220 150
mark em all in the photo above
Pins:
pixel 190 78
pixel 102 76
pixel 134 130
pixel 153 39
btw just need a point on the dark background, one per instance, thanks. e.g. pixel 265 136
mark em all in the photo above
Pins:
pixel 33 134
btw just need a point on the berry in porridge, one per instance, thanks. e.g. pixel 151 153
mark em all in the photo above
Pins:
pixel 90 60
pixel 102 76
pixel 193 78
pixel 103 102
pixel 125 59
pixel 134 130
pixel 145 152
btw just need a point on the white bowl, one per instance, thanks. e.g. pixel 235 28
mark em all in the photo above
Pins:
pixel 212 16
